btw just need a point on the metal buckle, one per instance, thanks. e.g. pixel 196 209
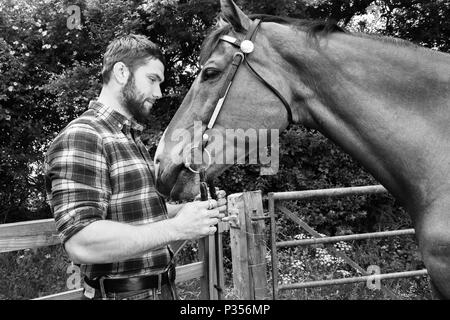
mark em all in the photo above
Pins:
pixel 241 54
pixel 102 287
pixel 158 291
pixel 171 273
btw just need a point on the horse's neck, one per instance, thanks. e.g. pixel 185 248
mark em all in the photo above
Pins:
pixel 389 107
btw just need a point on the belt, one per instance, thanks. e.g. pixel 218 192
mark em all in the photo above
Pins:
pixel 137 283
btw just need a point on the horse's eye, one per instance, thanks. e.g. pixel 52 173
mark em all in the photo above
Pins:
pixel 209 74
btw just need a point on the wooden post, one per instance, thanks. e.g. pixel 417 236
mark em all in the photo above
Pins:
pixel 247 240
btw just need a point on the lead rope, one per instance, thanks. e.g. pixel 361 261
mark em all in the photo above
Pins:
pixel 204 188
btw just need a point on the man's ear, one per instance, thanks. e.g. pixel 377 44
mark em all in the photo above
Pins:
pixel 121 72
pixel 238 19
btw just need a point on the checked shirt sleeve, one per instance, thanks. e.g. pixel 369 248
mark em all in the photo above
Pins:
pixel 77 179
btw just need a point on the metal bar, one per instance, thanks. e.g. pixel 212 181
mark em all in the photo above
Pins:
pixel 273 229
pixel 360 236
pixel 321 283
pixel 340 254
pixel 322 193
pixel 288 213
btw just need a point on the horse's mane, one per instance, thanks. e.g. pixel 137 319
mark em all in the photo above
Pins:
pixel 313 28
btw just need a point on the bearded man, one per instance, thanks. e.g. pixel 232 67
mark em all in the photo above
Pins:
pixel 100 185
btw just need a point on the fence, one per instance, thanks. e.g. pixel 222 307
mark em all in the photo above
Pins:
pixel 274 204
pixel 247 242
pixel 42 233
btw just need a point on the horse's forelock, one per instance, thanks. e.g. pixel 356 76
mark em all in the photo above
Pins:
pixel 211 41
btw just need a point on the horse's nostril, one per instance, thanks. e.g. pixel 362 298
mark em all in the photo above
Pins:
pixel 156 161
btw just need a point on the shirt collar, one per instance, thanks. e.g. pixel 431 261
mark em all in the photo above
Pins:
pixel 116 118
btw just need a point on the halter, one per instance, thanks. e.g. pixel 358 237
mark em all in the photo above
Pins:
pixel 245 48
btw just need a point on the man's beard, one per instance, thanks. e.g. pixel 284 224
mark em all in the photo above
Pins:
pixel 131 101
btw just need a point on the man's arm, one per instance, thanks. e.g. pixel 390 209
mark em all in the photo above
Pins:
pixel 109 241
pixel 77 181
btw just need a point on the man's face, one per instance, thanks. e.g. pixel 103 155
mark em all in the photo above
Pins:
pixel 143 89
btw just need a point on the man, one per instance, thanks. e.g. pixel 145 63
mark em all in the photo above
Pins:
pixel 100 185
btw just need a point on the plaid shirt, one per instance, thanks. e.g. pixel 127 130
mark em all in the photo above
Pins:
pixel 95 170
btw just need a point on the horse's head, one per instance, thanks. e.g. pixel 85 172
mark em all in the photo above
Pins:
pixel 259 99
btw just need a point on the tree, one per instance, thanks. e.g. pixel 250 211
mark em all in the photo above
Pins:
pixel 48 73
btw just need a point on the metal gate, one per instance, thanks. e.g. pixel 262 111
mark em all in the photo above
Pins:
pixel 275 199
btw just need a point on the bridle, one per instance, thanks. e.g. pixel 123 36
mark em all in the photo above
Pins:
pixel 245 48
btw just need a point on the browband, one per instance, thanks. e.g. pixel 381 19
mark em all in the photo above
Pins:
pixel 246 47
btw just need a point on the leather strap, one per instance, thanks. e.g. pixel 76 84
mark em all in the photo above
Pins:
pixel 275 91
pixel 117 285
pixel 237 60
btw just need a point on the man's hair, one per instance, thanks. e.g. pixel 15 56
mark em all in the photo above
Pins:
pixel 133 50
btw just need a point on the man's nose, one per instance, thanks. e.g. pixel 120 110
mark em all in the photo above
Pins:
pixel 157 94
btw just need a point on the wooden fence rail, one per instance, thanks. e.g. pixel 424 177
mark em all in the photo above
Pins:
pixel 42 233
pixel 28 235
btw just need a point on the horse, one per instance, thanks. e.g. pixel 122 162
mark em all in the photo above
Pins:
pixel 384 101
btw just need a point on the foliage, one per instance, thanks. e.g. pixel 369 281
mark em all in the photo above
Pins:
pixel 48 73
pixel 22 272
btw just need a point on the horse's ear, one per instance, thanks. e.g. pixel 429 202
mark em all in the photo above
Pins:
pixel 221 22
pixel 238 19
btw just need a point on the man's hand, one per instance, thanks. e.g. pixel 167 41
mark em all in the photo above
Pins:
pixel 199 218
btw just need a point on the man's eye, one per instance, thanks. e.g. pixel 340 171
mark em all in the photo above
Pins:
pixel 210 74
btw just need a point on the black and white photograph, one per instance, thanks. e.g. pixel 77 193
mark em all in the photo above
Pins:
pixel 224 157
